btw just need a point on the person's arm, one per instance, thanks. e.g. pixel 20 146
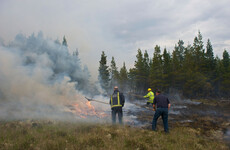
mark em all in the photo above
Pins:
pixel 169 105
pixel 146 96
pixel 154 107
pixel 154 104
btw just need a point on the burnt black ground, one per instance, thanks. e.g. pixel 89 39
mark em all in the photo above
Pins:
pixel 210 117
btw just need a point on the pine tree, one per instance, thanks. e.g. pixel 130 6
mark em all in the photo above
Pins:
pixel 123 78
pixel 167 70
pixel 226 60
pixel 199 53
pixel 209 56
pixel 114 74
pixel 139 71
pixel 210 66
pixel 195 83
pixel 146 63
pixel 64 42
pixel 104 73
pixel 218 76
pixel 156 69
pixel 76 55
pixel 177 65
pixel 188 69
pixel 225 84
pixel 199 68
pixel 131 80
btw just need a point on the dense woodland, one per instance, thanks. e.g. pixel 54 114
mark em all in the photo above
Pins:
pixel 191 70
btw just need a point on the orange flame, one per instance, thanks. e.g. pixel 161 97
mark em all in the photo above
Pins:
pixel 83 112
pixel 89 105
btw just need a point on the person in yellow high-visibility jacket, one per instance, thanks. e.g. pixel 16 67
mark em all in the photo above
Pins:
pixel 150 96
pixel 117 101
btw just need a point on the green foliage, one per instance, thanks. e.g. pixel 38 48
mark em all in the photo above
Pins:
pixel 141 65
pixel 226 59
pixel 198 53
pixel 177 65
pixel 191 70
pixel 156 71
pixel 123 80
pixel 225 71
pixel 167 70
pixel 146 63
pixel 131 81
pixel 210 61
pixel 104 72
pixel 113 73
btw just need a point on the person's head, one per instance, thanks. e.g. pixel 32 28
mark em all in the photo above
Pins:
pixel 158 92
pixel 149 89
pixel 115 88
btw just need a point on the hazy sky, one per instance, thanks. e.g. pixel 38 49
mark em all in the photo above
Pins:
pixel 118 27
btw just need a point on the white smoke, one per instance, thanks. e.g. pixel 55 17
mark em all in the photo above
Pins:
pixel 38 78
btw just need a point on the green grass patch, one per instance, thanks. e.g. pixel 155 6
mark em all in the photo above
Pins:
pixel 61 135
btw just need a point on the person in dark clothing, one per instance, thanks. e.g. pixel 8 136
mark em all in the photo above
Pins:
pixel 117 101
pixel 163 105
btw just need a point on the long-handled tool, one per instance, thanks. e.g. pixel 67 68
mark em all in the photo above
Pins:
pixel 89 99
pixel 135 95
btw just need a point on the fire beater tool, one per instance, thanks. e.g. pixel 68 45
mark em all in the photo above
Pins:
pixel 89 99
pixel 132 94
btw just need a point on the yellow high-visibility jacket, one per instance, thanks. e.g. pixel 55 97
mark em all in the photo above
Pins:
pixel 150 95
pixel 117 99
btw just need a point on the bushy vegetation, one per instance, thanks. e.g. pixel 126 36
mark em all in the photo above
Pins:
pixel 48 135
pixel 192 70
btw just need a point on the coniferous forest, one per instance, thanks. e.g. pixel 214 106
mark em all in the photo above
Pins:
pixel 192 70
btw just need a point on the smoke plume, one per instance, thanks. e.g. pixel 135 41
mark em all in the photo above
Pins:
pixel 38 78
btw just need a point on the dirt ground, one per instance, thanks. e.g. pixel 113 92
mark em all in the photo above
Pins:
pixel 210 118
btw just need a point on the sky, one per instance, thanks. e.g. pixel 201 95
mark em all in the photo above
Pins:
pixel 118 27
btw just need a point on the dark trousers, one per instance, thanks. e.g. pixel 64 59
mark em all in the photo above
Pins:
pixel 163 112
pixel 117 110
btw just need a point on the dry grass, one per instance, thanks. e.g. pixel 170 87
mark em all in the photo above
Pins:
pixel 46 135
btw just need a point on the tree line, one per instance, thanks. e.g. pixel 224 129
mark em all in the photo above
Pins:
pixel 191 70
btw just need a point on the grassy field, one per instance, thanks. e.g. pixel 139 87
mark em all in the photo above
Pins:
pixel 48 135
